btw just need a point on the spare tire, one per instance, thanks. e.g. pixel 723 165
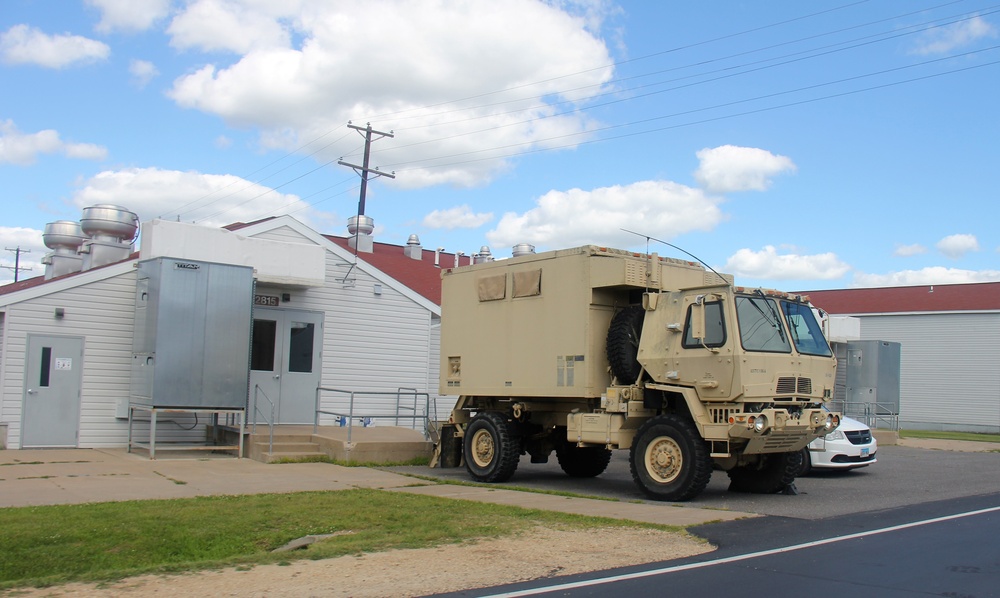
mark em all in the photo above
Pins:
pixel 623 344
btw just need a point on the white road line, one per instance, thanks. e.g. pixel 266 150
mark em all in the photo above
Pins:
pixel 737 558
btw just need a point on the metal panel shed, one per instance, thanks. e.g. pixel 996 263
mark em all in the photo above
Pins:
pixel 950 337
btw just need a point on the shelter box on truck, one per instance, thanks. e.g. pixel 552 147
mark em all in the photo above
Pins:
pixel 581 351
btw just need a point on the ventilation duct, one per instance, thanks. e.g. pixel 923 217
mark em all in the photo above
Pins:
pixel 483 256
pixel 111 231
pixel 522 249
pixel 413 250
pixel 64 238
pixel 361 229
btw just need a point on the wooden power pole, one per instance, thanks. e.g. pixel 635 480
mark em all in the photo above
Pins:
pixel 364 170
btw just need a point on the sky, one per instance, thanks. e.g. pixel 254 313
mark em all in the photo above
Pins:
pixel 795 145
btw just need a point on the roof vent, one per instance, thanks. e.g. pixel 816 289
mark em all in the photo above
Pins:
pixel 64 238
pixel 361 228
pixel 522 249
pixel 111 230
pixel 413 250
pixel 483 256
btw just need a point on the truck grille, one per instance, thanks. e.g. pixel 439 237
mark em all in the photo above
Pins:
pixel 789 385
pixel 720 415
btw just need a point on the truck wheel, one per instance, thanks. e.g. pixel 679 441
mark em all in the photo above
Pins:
pixel 772 473
pixel 491 451
pixel 623 343
pixel 669 459
pixel 582 461
pixel 806 466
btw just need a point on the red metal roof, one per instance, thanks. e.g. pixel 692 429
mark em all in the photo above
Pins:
pixel 420 275
pixel 983 296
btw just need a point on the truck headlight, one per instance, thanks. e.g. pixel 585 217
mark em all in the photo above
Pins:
pixel 760 424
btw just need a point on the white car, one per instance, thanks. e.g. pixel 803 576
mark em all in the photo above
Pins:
pixel 850 446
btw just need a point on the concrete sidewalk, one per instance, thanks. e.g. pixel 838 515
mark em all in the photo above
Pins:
pixel 73 476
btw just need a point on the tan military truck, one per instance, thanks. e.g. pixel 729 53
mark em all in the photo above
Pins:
pixel 582 351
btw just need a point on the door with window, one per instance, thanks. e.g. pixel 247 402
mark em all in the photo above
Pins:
pixel 285 365
pixel 52 384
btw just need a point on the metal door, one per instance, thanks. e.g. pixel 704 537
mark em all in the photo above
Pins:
pixel 285 365
pixel 53 377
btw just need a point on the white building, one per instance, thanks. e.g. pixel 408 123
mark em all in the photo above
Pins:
pixel 949 339
pixel 324 315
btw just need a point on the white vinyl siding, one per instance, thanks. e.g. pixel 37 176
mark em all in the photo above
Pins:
pixel 949 368
pixel 103 313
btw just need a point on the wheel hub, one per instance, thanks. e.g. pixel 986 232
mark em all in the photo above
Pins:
pixel 664 460
pixel 482 448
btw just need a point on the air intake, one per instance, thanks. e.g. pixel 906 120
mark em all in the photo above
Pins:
pixel 522 249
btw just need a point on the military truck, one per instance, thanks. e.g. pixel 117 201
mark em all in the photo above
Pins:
pixel 582 351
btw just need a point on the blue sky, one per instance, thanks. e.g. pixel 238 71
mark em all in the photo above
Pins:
pixel 828 144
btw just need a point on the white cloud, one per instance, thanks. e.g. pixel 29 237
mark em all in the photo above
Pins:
pixel 930 275
pixel 731 168
pixel 909 250
pixel 312 68
pixel 213 25
pixel 27 45
pixel 24 148
pixel 941 40
pixel 223 142
pixel 220 199
pixel 457 217
pixel 956 246
pixel 663 209
pixel 142 72
pixel 767 263
pixel 129 15
pixel 29 241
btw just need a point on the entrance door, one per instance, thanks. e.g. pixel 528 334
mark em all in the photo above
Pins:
pixel 51 414
pixel 285 364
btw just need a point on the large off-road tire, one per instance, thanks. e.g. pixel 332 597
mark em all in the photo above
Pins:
pixel 582 461
pixel 669 460
pixel 623 344
pixel 491 449
pixel 773 472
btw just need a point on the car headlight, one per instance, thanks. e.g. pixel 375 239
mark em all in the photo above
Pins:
pixel 835 435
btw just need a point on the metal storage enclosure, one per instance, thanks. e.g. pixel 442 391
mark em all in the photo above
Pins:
pixel 191 344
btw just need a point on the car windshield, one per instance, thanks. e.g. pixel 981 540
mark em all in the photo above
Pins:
pixel 805 330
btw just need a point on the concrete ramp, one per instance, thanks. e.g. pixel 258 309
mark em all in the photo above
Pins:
pixel 372 445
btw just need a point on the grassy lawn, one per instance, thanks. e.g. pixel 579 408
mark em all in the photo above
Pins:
pixel 106 541
pixel 950 435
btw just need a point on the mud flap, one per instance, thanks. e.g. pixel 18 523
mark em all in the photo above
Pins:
pixel 448 450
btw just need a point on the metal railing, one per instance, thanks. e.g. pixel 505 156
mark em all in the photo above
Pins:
pixel 270 421
pixel 880 416
pixel 345 407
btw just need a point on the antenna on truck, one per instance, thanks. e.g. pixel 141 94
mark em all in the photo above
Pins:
pixel 648 239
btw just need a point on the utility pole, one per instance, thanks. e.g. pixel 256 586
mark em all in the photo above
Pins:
pixel 363 170
pixel 17 261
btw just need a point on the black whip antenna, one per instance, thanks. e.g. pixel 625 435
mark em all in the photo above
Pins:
pixel 648 239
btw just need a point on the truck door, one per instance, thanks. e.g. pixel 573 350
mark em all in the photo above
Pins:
pixel 704 355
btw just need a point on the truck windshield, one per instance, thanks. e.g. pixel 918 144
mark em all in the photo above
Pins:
pixel 805 330
pixel 760 325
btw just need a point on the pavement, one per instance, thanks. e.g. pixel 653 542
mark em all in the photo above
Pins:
pixel 75 476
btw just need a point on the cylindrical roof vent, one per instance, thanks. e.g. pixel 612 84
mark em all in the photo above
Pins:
pixel 63 236
pixel 364 225
pixel 483 256
pixel 522 249
pixel 109 223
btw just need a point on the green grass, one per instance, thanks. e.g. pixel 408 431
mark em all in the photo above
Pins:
pixel 48 545
pixel 950 435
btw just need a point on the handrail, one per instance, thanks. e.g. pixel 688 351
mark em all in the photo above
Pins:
pixel 270 423
pixel 367 412
pixel 874 413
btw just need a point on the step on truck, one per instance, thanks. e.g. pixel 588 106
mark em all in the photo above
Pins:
pixel 583 351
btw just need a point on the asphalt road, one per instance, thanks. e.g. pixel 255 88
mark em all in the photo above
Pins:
pixel 886 530
pixel 903 476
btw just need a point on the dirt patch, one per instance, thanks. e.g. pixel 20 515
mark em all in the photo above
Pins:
pixel 537 554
